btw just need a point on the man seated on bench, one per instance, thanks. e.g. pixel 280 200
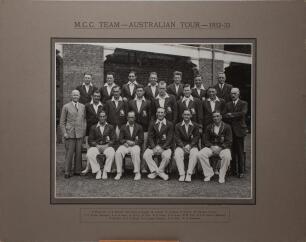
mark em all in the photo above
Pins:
pixel 217 140
pixel 101 140
pixel 160 138
pixel 186 138
pixel 131 138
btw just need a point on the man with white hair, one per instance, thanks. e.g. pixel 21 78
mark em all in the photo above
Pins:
pixel 73 127
pixel 235 112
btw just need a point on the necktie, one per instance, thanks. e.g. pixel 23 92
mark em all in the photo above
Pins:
pixel 76 107
pixel 186 128
pixel 187 102
pixel 159 126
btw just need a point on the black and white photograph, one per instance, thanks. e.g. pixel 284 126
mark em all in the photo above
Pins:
pixel 153 121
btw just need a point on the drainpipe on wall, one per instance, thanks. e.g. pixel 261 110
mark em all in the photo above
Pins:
pixel 212 64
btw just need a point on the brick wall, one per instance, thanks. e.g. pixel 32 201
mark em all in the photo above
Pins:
pixel 78 59
pixel 206 67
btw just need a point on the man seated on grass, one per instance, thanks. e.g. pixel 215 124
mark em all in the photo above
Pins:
pixel 101 140
pixel 160 138
pixel 217 140
pixel 131 139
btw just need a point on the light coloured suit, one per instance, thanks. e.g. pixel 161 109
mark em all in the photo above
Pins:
pixel 73 124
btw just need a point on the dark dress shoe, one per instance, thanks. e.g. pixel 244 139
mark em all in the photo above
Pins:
pixel 76 174
pixel 67 176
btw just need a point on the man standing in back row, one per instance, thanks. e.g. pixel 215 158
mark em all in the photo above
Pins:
pixel 176 88
pixel 223 89
pixel 86 89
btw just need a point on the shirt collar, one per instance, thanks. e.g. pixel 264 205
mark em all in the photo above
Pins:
pixel 183 123
pixel 217 99
pixel 106 85
pixel 236 101
pixel 128 125
pixel 90 84
pixel 142 99
pixel 189 98
pixel 135 83
pixel 202 87
pixel 159 97
pixel 77 103
pixel 163 121
pixel 150 85
pixel 99 125
pixel 120 98
pixel 99 104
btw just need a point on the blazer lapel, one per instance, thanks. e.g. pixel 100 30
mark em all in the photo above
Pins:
pixel 134 131
pixel 134 105
pixel 235 106
pixel 142 106
pixel 183 130
pixel 190 104
pixel 208 105
pixel 166 102
pixel 190 129
pixel 114 105
pixel 92 108
pixel 99 132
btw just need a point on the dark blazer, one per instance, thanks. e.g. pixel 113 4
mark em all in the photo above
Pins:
pixel 182 138
pixel 116 116
pixel 223 139
pixel 170 107
pixel 237 122
pixel 171 90
pixel 195 93
pixel 85 97
pixel 137 135
pixel 207 112
pixel 96 138
pixel 126 91
pixel 92 117
pixel 196 110
pixel 163 138
pixel 225 92
pixel 148 93
pixel 104 94
pixel 143 117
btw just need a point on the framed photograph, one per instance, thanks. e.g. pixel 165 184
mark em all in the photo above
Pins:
pixel 152 121
pixel 208 63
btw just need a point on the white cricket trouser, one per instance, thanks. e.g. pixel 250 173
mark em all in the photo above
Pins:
pixel 179 159
pixel 165 155
pixel 225 156
pixel 92 153
pixel 135 155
